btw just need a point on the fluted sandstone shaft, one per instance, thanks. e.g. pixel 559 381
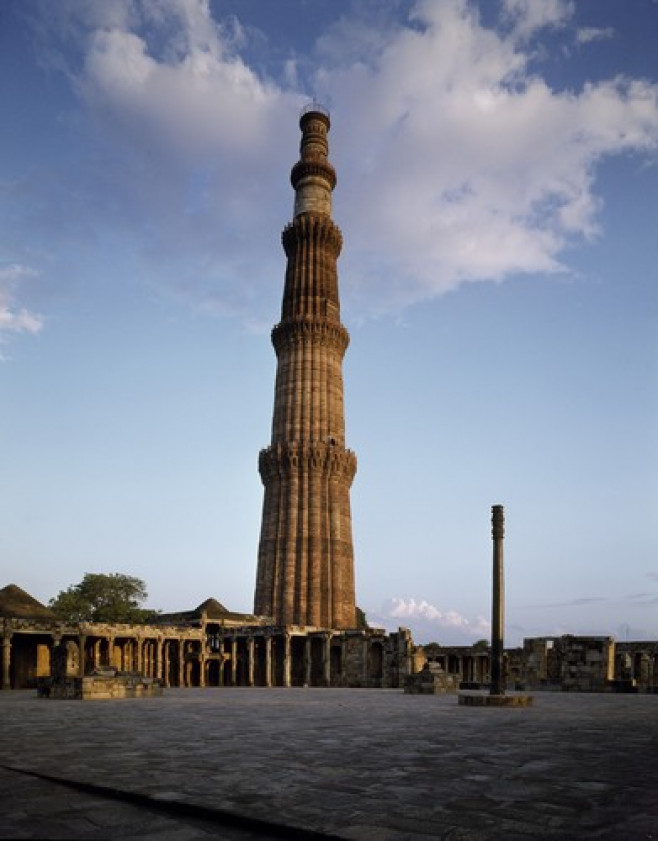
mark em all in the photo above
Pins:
pixel 305 559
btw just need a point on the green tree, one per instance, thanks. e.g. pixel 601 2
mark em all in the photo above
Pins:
pixel 361 621
pixel 103 598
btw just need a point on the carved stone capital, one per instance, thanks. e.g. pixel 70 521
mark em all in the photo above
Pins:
pixel 309 168
pixel 307 331
pixel 497 522
pixel 316 228
pixel 280 461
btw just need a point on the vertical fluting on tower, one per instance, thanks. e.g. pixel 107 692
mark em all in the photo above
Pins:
pixel 305 558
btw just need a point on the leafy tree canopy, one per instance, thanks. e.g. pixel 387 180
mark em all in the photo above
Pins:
pixel 103 598
pixel 361 621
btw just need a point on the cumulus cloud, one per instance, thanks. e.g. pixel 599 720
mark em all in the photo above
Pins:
pixel 464 165
pixel 457 162
pixel 429 623
pixel 13 317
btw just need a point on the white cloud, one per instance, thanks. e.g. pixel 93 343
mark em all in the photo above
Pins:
pixel 429 623
pixel 14 318
pixel 529 16
pixel 456 163
pixel 462 165
pixel 590 33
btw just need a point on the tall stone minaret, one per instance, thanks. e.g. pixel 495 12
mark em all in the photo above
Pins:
pixel 305 558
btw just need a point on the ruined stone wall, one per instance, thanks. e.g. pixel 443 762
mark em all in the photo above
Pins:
pixel 587 663
pixel 565 663
pixel 636 665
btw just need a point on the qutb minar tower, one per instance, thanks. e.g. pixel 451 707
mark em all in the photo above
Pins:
pixel 306 558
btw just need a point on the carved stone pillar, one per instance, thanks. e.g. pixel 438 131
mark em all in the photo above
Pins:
pixel 268 661
pixel 234 661
pixel 307 662
pixel 6 660
pixel 250 661
pixel 82 640
pixel 110 650
pixel 181 662
pixel 159 671
pixel 222 660
pixel 166 651
pixel 326 660
pixel 286 660
pixel 202 668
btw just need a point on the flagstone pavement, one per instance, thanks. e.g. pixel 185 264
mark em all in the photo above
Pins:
pixel 366 765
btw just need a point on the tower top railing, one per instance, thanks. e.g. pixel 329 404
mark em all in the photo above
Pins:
pixel 314 106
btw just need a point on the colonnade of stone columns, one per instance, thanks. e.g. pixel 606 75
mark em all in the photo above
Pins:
pixel 210 655
pixel 268 660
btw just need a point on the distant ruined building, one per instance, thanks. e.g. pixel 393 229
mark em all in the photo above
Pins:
pixel 304 628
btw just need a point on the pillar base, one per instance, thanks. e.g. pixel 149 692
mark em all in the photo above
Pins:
pixel 484 699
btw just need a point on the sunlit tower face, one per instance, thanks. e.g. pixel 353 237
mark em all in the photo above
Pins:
pixel 306 559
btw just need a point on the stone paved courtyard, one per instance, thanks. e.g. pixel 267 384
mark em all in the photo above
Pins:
pixel 367 765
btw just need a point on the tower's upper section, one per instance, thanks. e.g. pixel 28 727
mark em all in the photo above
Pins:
pixel 313 177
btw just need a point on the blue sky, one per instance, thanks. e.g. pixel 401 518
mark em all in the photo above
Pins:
pixel 497 193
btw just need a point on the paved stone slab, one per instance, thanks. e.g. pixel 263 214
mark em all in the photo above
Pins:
pixel 367 765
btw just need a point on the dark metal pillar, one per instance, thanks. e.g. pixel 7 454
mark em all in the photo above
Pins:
pixel 498 601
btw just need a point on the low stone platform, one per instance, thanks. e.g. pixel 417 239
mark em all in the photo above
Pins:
pixel 100 687
pixel 359 764
pixel 485 699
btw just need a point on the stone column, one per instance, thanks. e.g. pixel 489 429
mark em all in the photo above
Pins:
pixel 159 670
pixel 268 661
pixel 110 651
pixel 222 658
pixel 6 661
pixel 307 661
pixel 326 660
pixel 366 664
pixel 181 662
pixel 286 660
pixel 250 661
pixel 202 668
pixel 166 648
pixel 82 639
pixel 497 602
pixel 234 661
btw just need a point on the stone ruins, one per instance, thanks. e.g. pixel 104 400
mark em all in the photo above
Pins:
pixel 304 628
